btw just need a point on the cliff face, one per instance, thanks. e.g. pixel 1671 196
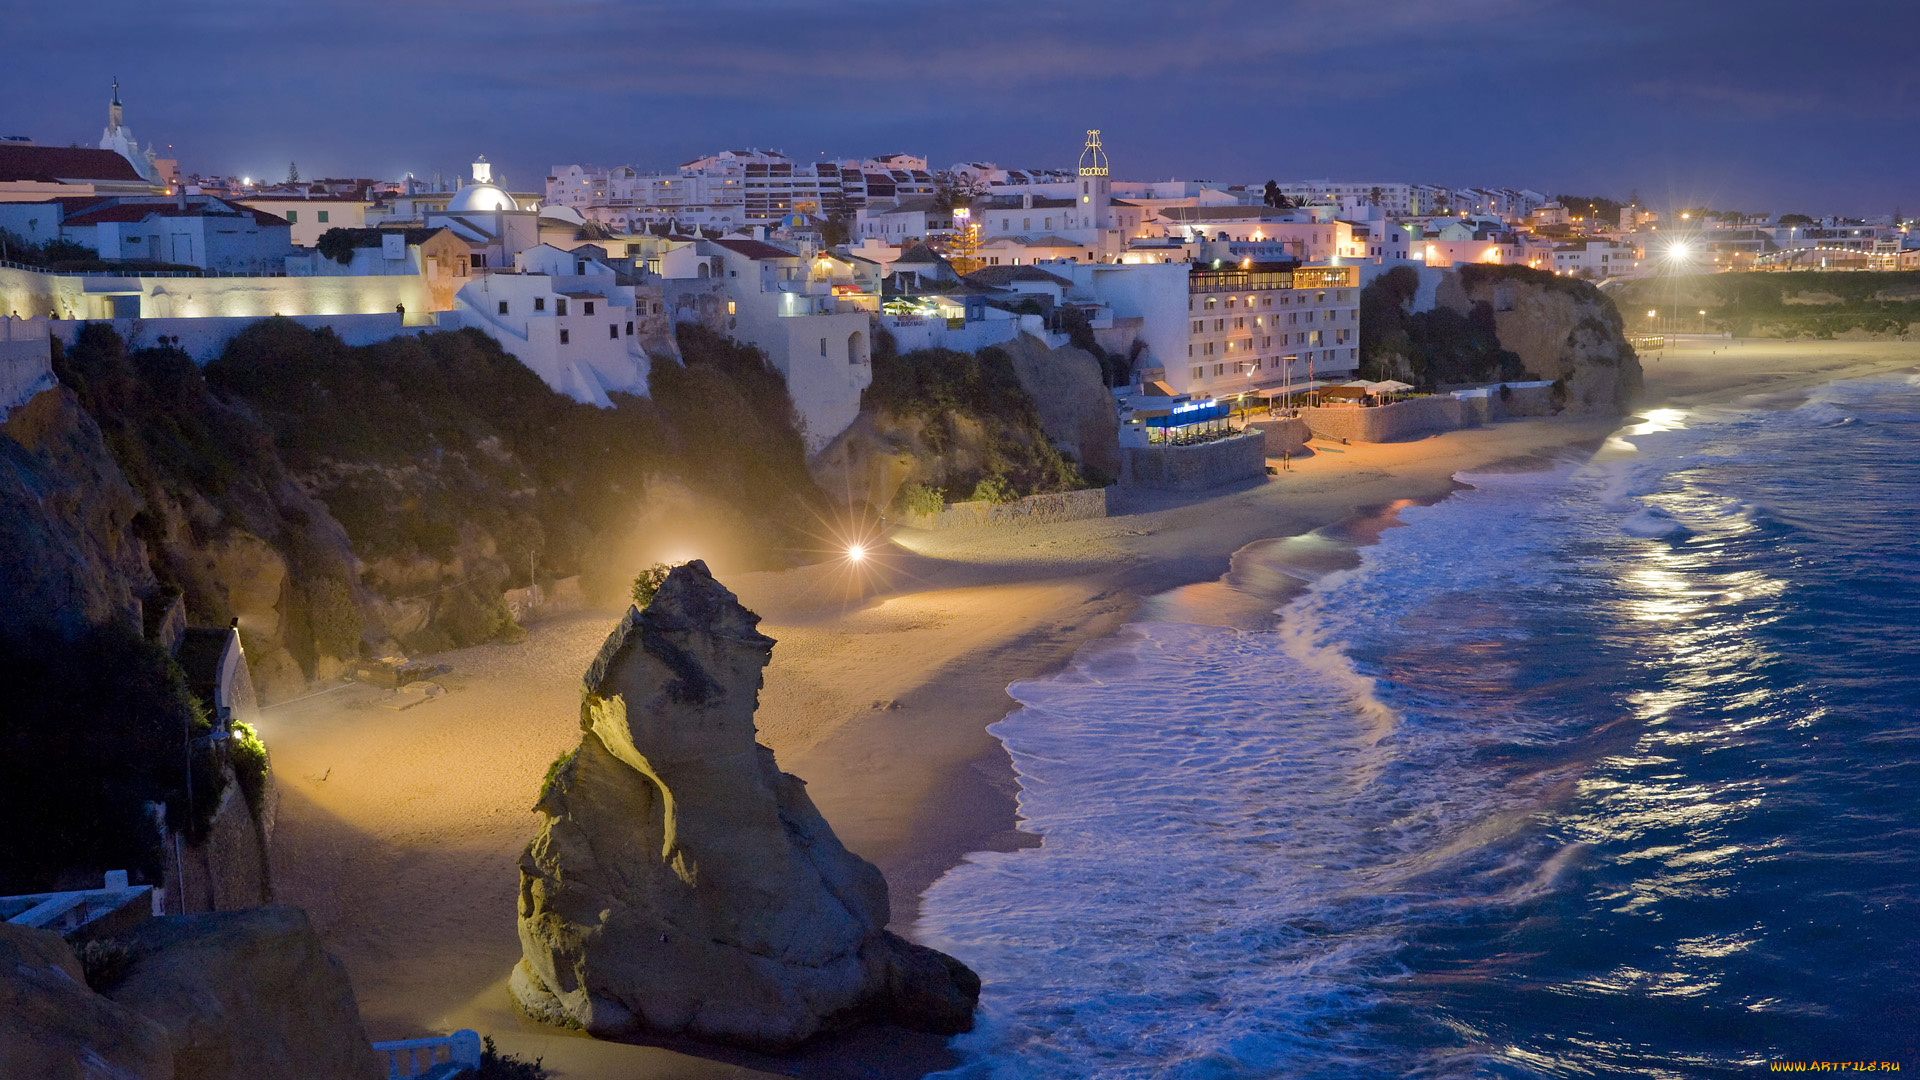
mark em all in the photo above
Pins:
pixel 1562 329
pixel 1070 394
pixel 681 883
pixel 950 420
pixel 66 517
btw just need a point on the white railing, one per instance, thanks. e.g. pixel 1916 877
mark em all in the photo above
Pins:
pixel 413 1057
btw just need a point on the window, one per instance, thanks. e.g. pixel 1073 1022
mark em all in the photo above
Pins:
pixel 1319 298
pixel 1219 369
pixel 1212 300
pixel 1190 353
pixel 1199 325
pixel 539 303
pixel 629 327
pixel 1049 224
pixel 589 304
pixel 1026 223
pixel 731 308
pixel 1232 300
pixel 293 217
pixel 479 260
pixel 323 217
pixel 1219 324
pixel 1209 348
pixel 1199 373
pixel 503 307
pixel 1240 323
pixel 823 346
pixel 613 331
pixel 559 305
pixel 563 337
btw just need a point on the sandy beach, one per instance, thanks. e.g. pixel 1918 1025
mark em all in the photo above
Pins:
pixel 399 830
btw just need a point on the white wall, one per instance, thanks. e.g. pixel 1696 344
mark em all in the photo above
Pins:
pixel 26 361
pixel 70 296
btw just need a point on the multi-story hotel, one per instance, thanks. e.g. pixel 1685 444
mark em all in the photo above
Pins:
pixel 1268 324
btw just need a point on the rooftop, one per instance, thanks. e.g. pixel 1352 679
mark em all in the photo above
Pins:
pixel 55 164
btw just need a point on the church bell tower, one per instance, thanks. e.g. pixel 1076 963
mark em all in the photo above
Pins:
pixel 1095 197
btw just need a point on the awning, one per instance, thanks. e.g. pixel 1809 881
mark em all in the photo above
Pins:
pixel 1158 388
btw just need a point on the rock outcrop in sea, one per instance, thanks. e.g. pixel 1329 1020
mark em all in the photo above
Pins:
pixel 681 884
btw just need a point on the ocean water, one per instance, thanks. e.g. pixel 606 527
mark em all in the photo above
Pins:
pixel 1606 769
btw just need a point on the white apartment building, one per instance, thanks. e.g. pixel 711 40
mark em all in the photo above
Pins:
pixel 311 217
pixel 1596 259
pixel 735 188
pixel 566 318
pixel 1257 327
pixel 812 316
pixel 188 230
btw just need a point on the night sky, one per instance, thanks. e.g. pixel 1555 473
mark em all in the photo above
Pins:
pixel 1753 105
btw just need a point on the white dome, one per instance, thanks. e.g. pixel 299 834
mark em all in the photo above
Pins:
pixel 480 198
pixel 562 213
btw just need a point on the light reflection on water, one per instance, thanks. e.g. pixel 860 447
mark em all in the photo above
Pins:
pixel 1609 771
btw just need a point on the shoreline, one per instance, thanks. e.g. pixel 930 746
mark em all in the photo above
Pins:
pixel 406 855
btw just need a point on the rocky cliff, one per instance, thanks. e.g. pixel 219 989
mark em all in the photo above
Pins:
pixel 950 420
pixel 1563 330
pixel 54 1027
pixel 681 883
pixel 66 523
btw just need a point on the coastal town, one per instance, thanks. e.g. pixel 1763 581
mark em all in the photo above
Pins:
pixel 382 516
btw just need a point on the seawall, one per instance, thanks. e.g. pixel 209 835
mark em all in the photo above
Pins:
pixel 1032 510
pixel 1196 467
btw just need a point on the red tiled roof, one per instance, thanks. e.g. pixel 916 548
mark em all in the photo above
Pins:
pixel 51 164
pixel 140 211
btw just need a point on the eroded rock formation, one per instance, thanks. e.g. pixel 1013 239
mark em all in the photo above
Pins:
pixel 1563 330
pixel 247 995
pixel 232 995
pixel 681 883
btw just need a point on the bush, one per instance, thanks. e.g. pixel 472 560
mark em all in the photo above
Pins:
pixel 104 963
pixel 553 772
pixel 251 764
pixel 993 488
pixel 495 1065
pixel 918 498
pixel 93 732
pixel 648 583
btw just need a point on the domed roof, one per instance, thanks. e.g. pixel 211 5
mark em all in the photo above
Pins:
pixel 562 213
pixel 480 198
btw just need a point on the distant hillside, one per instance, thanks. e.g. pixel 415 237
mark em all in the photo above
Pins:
pixel 1801 303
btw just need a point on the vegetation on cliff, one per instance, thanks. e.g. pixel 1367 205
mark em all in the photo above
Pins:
pixel 95 733
pixel 452 466
pixel 967 422
pixel 1802 303
pixel 209 480
pixel 1427 348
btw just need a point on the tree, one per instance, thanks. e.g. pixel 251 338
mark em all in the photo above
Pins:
pixel 1795 219
pixel 293 173
pixel 1275 198
pixel 1375 195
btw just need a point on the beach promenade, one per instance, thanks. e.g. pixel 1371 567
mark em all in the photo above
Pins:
pixel 400 831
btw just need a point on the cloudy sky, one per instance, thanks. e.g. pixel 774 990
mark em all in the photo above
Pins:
pixel 1741 104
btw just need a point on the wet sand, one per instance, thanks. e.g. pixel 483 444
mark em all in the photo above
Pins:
pixel 400 830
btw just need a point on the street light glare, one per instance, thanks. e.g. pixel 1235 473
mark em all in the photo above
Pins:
pixel 855 553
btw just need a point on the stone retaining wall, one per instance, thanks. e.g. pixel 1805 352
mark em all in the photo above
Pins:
pixel 1032 510
pixel 1286 435
pixel 1387 423
pixel 1197 467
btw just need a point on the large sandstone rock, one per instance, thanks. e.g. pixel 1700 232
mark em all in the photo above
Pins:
pixel 1562 329
pixel 52 1027
pixel 247 995
pixel 1076 408
pixel 681 883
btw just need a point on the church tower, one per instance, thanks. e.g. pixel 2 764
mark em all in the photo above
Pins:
pixel 121 141
pixel 1095 199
